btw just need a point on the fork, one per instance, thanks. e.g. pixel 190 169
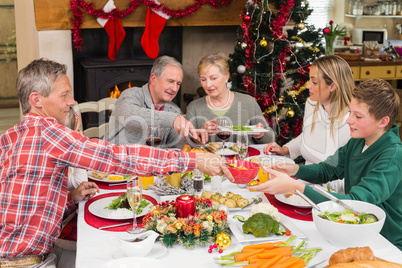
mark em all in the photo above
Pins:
pixel 302 213
pixel 254 201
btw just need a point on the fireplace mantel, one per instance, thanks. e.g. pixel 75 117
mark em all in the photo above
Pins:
pixel 57 15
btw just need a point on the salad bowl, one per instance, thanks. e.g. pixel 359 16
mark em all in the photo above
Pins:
pixel 347 234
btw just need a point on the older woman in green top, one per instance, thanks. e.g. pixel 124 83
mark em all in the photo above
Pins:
pixel 240 109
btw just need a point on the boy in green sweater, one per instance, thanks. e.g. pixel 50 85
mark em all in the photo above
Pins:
pixel 371 162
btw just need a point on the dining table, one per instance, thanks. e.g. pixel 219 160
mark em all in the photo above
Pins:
pixel 96 248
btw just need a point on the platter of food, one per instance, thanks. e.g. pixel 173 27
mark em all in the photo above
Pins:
pixel 251 130
pixel 100 208
pixel 293 200
pixel 102 177
pixel 236 226
pixel 228 150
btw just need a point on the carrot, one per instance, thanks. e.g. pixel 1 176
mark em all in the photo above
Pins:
pixel 299 264
pixel 269 245
pixel 250 249
pixel 270 262
pixel 285 251
pixel 284 258
pixel 253 260
pixel 287 263
pixel 243 256
pixel 252 265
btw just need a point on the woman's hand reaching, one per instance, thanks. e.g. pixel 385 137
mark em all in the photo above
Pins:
pixel 274 148
pixel 210 127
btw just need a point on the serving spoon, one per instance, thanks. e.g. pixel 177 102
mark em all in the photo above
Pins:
pixel 320 190
pixel 308 200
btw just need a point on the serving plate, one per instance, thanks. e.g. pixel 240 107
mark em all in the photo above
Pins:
pixel 236 228
pixel 282 198
pixel 254 130
pixel 226 151
pixel 106 179
pixel 135 262
pixel 98 208
pixel 157 251
pixel 268 159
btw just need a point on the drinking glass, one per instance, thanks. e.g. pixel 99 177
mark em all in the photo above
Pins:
pixel 242 144
pixel 134 195
pixel 223 131
pixel 154 137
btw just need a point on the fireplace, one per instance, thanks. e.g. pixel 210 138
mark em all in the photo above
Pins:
pixel 95 75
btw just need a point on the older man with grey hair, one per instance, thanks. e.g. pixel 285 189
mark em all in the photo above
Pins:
pixel 151 105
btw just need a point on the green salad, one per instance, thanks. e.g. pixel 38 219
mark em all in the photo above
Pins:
pixel 190 175
pixel 241 128
pixel 121 202
pixel 349 217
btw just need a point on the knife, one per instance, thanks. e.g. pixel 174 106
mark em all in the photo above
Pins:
pixel 113 225
pixel 308 200
pixel 334 199
pixel 205 147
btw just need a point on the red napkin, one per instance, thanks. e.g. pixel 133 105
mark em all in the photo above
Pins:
pixel 96 221
pixel 288 210
pixel 109 186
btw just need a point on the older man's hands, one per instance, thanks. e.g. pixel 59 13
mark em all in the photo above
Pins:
pixel 183 127
pixel 213 164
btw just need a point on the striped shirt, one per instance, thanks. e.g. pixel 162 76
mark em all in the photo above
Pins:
pixel 34 159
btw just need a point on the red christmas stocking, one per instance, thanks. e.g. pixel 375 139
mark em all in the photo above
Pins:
pixel 114 30
pixel 154 24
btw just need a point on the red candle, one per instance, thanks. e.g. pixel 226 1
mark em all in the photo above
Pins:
pixel 185 206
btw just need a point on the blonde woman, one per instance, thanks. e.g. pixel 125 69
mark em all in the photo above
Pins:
pixel 324 126
pixel 239 109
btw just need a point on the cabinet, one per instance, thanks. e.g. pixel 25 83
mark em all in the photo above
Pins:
pixel 387 70
pixel 358 17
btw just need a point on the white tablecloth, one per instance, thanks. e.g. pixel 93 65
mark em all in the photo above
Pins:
pixel 94 247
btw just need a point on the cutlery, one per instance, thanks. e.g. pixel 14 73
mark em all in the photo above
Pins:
pixel 254 201
pixel 308 200
pixel 284 226
pixel 203 145
pixel 116 184
pixel 114 225
pixel 302 213
pixel 233 166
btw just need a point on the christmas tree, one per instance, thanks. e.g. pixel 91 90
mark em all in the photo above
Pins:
pixel 272 58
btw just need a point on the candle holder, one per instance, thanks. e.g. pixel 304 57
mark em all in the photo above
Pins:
pixel 185 206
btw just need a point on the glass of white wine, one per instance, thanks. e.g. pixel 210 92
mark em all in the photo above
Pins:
pixel 134 196
pixel 242 144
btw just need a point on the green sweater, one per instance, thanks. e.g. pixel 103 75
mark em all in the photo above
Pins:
pixel 373 176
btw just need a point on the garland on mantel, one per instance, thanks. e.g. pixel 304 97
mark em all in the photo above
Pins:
pixel 116 14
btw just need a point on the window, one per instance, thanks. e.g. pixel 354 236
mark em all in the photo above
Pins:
pixel 321 13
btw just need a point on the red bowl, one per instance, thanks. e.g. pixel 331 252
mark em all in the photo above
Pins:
pixel 243 176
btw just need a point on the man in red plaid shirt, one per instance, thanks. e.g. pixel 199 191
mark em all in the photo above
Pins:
pixel 36 153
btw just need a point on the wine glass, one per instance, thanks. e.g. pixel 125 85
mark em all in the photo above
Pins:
pixel 223 130
pixel 134 195
pixel 242 144
pixel 154 137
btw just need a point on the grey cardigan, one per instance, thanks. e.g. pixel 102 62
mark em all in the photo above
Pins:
pixel 243 111
pixel 134 111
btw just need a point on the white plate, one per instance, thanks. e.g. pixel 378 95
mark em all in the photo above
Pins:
pixel 268 159
pixel 236 228
pixel 226 151
pixel 157 251
pixel 106 179
pixel 255 130
pixel 97 208
pixel 135 262
pixel 282 198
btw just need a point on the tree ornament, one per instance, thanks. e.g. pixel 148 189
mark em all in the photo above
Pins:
pixel 223 240
pixel 301 25
pixel 263 42
pixel 247 18
pixel 243 45
pixel 290 113
pixel 241 69
pixel 178 225
pixel 209 217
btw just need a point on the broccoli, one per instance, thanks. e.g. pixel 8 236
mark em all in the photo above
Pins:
pixel 260 225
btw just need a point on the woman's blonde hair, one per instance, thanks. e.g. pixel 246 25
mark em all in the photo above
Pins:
pixel 219 59
pixel 334 69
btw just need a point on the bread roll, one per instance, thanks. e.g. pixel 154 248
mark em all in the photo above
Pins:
pixel 367 264
pixel 197 150
pixel 351 255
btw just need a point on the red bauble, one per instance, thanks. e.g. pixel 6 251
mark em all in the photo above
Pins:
pixel 247 18
pixel 326 31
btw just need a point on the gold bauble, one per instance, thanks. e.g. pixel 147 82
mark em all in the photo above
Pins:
pixel 209 217
pixel 290 113
pixel 243 45
pixel 301 25
pixel 178 225
pixel 223 240
pixel 263 42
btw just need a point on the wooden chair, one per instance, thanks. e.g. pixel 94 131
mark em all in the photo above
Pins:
pixel 99 107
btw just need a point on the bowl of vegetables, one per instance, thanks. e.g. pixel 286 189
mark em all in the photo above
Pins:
pixel 243 171
pixel 346 228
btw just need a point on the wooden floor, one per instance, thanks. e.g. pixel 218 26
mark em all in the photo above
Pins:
pixel 8 118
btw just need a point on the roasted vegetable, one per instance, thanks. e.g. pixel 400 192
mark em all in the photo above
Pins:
pixel 260 225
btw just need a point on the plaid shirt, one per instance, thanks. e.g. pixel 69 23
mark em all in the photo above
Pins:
pixel 34 156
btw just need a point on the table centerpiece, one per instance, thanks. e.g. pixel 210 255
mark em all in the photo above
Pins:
pixel 195 230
